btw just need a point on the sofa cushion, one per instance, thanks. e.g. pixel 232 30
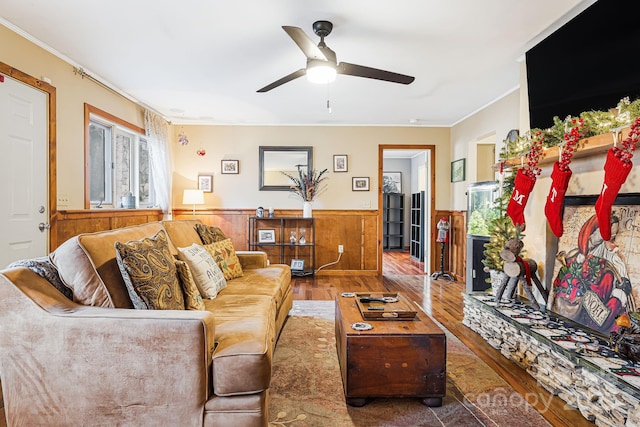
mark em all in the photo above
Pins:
pixel 225 256
pixel 87 264
pixel 273 281
pixel 192 297
pixel 149 273
pixel 209 233
pixel 245 336
pixel 182 233
pixel 205 271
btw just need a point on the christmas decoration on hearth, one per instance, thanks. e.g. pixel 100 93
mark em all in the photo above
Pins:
pixel 525 180
pixel 502 228
pixel 616 169
pixel 560 176
pixel 518 270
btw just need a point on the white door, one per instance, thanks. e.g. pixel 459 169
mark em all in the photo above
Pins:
pixel 24 192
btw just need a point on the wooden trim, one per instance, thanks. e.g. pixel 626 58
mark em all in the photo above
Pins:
pixel 432 201
pixel 52 134
pixel 88 110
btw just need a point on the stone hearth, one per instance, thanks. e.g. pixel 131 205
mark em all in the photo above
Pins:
pixel 569 362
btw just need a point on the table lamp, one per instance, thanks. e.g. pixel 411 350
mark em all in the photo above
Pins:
pixel 193 197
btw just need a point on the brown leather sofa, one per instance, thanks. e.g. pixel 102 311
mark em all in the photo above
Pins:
pixel 97 361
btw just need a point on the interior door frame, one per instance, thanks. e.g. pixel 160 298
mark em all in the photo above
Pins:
pixel 45 87
pixel 432 201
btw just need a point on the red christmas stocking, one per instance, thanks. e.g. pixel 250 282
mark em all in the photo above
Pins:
pixel 523 184
pixel 615 174
pixel 555 199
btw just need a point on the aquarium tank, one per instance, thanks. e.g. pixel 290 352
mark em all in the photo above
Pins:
pixel 481 209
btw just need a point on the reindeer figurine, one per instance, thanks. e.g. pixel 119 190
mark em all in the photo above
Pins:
pixel 519 270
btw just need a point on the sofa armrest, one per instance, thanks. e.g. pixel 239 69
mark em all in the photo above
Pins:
pixel 67 364
pixel 253 259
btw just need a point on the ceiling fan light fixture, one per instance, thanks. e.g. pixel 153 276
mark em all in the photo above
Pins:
pixel 320 72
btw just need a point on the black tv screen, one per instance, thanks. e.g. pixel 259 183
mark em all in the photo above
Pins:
pixel 590 63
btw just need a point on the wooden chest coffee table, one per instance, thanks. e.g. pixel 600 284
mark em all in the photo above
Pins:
pixel 397 358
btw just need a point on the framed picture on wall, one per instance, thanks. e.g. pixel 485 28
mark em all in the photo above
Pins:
pixel 458 170
pixel 230 166
pixel 392 182
pixel 340 163
pixel 360 183
pixel 205 183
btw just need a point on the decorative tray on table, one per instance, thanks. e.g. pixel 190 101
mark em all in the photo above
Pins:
pixel 384 306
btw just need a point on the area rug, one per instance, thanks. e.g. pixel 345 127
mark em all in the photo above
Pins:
pixel 306 387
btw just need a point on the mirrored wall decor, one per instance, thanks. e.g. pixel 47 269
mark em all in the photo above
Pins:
pixel 275 160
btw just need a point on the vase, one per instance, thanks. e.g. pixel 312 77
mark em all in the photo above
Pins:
pixel 307 212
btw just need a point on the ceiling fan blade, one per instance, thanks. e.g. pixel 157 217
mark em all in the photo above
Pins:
pixel 301 72
pixel 373 73
pixel 305 44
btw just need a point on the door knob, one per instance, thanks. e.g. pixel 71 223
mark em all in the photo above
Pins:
pixel 42 226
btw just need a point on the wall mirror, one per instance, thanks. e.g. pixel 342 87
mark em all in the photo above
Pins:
pixel 276 160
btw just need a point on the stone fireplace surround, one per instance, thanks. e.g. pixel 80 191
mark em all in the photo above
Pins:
pixel 585 383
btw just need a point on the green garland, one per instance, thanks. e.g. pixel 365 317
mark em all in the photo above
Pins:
pixel 595 123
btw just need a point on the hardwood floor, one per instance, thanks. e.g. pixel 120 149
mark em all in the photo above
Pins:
pixel 442 299
pixel 400 262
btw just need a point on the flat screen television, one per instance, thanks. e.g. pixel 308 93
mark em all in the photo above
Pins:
pixel 590 63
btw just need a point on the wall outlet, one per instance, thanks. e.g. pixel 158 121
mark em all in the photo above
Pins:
pixel 63 200
pixel 340 249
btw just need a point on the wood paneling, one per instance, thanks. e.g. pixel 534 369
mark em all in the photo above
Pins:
pixel 355 230
pixel 72 223
pixel 458 246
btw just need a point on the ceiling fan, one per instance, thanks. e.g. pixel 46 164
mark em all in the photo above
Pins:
pixel 322 65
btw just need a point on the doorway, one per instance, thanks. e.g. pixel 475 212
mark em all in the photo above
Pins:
pixel 411 168
pixel 27 166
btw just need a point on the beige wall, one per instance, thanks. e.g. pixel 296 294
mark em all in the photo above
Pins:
pixel 241 143
pixel 72 92
pixel 220 142
pixel 497 119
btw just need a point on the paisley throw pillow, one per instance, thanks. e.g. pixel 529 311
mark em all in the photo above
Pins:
pixel 149 272
pixel 192 297
pixel 209 233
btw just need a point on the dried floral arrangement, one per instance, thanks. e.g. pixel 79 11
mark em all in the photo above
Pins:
pixel 308 185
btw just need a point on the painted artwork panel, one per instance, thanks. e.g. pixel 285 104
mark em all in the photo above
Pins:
pixel 596 280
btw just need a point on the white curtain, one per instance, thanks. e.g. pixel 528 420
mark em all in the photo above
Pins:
pixel 157 130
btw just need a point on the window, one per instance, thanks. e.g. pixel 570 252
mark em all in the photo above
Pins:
pixel 118 162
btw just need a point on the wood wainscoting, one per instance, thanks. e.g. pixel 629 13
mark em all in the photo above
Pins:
pixel 73 222
pixel 455 256
pixel 356 230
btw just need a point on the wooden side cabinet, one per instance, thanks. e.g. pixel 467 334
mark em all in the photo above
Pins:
pixel 286 240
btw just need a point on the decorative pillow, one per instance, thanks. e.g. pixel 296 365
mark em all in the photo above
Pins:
pixel 226 258
pixel 209 233
pixel 149 272
pixel 192 297
pixel 45 269
pixel 206 273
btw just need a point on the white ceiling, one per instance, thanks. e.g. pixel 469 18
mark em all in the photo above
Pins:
pixel 197 61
